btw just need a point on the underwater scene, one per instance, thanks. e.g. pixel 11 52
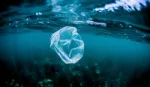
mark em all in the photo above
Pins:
pixel 75 43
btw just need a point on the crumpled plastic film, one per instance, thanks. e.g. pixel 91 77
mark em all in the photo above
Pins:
pixel 68 44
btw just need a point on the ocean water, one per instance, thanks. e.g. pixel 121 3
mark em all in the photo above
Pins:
pixel 116 35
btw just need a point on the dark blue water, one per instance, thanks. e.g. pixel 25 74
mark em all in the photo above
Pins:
pixel 117 44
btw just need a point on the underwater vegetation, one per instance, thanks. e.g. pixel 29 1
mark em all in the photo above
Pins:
pixel 75 43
